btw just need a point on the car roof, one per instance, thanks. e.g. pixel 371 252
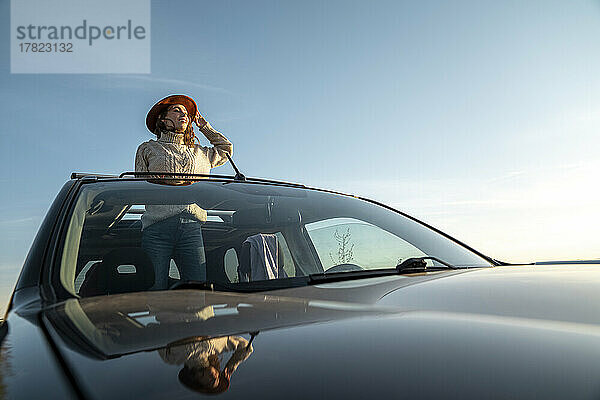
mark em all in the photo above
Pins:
pixel 176 176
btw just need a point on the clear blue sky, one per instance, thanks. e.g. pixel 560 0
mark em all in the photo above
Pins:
pixel 480 117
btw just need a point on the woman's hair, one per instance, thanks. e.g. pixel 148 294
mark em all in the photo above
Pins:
pixel 191 378
pixel 188 134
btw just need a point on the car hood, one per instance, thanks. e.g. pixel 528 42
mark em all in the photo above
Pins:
pixel 505 332
pixel 558 293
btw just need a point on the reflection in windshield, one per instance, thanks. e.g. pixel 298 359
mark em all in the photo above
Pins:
pixel 202 360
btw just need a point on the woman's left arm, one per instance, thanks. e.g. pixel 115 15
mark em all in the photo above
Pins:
pixel 217 154
pixel 242 350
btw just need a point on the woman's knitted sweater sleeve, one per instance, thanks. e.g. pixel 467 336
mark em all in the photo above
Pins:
pixel 141 158
pixel 217 155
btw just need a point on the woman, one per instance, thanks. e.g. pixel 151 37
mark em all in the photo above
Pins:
pixel 175 231
pixel 201 360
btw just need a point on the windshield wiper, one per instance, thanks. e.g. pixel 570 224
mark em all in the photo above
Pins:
pixel 408 266
pixel 418 264
pixel 323 277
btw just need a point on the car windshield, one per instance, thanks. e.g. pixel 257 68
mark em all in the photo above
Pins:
pixel 136 235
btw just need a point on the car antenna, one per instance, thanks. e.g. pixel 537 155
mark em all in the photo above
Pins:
pixel 252 336
pixel 238 175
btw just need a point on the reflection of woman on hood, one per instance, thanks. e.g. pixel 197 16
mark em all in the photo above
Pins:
pixel 201 361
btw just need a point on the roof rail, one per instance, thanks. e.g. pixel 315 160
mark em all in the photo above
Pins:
pixel 155 174
pixel 182 175
pixel 79 175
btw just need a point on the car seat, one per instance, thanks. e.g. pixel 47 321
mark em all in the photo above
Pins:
pixel 105 278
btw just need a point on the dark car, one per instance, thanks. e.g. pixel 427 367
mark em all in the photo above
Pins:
pixel 345 298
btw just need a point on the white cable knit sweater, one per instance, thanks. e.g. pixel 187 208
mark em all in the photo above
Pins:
pixel 196 354
pixel 169 154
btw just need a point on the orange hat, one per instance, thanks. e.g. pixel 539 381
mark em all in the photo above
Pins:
pixel 187 102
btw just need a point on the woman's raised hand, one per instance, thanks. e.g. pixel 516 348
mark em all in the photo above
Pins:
pixel 200 121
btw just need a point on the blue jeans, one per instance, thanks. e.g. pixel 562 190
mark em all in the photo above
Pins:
pixel 181 239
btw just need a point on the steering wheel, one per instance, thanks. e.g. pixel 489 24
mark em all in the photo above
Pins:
pixel 345 268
